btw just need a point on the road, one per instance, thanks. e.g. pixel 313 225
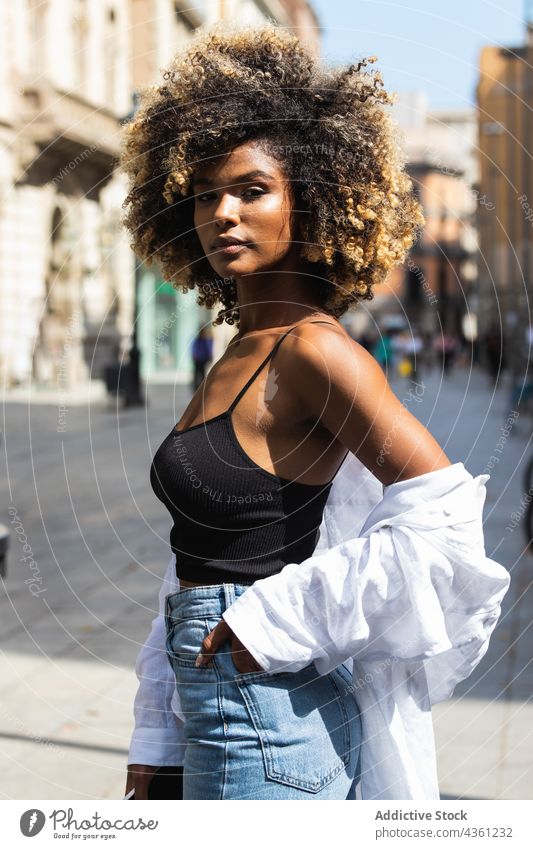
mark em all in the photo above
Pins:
pixel 92 544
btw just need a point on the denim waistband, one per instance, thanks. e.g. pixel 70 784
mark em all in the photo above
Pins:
pixel 192 602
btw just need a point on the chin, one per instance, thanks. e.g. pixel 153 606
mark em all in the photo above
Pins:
pixel 233 268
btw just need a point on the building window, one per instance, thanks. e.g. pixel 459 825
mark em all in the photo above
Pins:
pixel 110 58
pixel 184 21
pixel 37 19
pixel 190 15
pixel 79 44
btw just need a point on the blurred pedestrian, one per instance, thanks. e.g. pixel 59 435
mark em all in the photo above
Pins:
pixel 381 350
pixel 494 350
pixel 202 354
pixel 397 347
pixel 427 355
pixel 446 347
pixel 366 340
pixel 417 346
pixel 402 351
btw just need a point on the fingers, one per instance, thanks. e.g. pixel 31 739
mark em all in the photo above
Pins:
pixel 243 660
pixel 211 643
pixel 246 662
pixel 139 777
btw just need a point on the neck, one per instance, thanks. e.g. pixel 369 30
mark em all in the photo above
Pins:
pixel 274 300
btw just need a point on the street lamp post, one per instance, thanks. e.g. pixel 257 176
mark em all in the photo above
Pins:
pixel 133 395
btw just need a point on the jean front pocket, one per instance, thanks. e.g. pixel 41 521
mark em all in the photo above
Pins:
pixel 223 656
pixel 197 686
pixel 184 640
pixel 302 724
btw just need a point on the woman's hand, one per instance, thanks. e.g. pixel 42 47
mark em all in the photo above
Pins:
pixel 243 660
pixel 139 776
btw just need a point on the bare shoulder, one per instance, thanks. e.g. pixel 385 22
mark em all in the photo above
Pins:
pixel 339 383
pixel 327 349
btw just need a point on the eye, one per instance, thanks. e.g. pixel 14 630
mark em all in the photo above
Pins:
pixel 253 193
pixel 249 194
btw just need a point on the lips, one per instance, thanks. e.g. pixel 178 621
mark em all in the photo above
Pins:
pixel 229 247
pixel 229 242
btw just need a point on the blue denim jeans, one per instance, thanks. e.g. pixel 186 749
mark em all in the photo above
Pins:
pixel 257 735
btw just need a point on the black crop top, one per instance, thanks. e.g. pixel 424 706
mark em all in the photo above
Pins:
pixel 233 520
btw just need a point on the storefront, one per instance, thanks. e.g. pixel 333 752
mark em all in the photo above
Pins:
pixel 168 323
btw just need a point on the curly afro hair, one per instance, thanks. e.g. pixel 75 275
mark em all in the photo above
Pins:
pixel 328 128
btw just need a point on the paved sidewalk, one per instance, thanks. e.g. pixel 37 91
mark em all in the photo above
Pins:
pixel 483 734
pixel 72 623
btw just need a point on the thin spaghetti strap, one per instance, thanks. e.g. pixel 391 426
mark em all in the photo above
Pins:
pixel 269 355
pixel 258 369
pixel 339 466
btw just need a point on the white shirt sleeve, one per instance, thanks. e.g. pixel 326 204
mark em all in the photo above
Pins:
pixel 415 584
pixel 157 739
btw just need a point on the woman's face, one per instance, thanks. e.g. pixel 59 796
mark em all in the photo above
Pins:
pixel 244 197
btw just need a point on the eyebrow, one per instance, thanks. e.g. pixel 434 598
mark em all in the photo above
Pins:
pixel 242 178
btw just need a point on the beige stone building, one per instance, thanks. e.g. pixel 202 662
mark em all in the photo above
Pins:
pixel 505 123
pixel 64 84
pixel 160 27
pixel 436 287
pixel 68 69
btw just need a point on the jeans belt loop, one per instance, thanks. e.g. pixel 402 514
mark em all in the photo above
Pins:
pixel 229 595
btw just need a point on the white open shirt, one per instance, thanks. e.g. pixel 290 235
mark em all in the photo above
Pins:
pixel 399 588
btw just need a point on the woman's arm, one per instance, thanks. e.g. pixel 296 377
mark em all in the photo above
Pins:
pixel 416 582
pixel 352 399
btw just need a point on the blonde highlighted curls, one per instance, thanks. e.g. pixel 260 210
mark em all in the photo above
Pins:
pixel 327 126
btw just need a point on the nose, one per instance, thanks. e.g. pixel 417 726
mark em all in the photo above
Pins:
pixel 226 211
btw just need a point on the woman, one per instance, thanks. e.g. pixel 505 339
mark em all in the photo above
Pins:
pixel 275 187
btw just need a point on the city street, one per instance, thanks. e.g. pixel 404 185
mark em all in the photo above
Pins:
pixel 75 481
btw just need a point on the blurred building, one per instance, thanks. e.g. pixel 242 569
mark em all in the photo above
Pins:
pixel 436 287
pixel 505 103
pixel 68 70
pixel 64 268
pixel 168 321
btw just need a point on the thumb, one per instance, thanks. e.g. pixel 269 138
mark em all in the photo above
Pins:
pixel 210 644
